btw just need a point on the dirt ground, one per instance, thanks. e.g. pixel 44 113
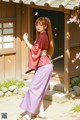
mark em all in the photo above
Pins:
pixel 54 111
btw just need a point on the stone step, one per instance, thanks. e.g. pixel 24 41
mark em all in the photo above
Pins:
pixel 54 85
pixel 51 95
pixel 55 96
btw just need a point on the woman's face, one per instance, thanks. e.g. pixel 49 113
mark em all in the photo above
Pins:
pixel 40 28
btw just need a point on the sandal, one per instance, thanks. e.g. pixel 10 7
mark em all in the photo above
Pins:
pixel 19 118
pixel 39 116
pixel 24 118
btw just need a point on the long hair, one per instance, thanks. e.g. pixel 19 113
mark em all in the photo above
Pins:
pixel 46 22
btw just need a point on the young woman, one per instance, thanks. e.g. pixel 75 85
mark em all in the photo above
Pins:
pixel 39 60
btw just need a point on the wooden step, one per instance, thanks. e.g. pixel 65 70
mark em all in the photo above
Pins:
pixel 55 76
pixel 58 77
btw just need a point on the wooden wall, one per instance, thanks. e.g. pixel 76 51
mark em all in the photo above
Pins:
pixel 7 10
pixel 10 59
pixel 14 63
pixel 74 31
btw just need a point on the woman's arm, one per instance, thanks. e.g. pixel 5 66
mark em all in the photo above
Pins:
pixel 25 37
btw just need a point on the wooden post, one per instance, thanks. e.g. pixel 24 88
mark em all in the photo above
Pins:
pixel 26 18
pixel 18 40
pixel 23 45
pixel 29 33
pixel 66 56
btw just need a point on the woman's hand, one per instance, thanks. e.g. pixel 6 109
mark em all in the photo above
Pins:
pixel 25 36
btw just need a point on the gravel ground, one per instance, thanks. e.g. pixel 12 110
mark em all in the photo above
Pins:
pixel 54 111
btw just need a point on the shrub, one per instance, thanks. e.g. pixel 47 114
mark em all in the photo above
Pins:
pixel 76 108
pixel 8 83
pixel 75 81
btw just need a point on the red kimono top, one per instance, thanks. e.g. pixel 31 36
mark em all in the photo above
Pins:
pixel 35 58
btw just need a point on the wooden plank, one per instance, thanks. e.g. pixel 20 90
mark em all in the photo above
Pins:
pixel 74 31
pixel 75 61
pixel 75 73
pixel 10 10
pixel 50 8
pixel 7 9
pixel 7 52
pixel 75 45
pixel 1 68
pixel 9 67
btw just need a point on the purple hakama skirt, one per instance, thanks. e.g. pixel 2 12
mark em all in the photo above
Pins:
pixel 37 88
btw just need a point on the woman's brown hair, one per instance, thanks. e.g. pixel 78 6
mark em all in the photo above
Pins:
pixel 46 22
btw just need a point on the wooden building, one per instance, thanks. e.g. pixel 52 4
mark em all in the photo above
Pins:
pixel 18 16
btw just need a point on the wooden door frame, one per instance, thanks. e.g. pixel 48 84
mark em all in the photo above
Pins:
pixel 66 49
pixel 66 56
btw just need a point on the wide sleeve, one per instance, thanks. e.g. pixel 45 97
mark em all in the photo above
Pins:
pixel 35 53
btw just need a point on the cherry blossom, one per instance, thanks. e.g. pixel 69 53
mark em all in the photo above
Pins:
pixel 78 55
pixel 75 18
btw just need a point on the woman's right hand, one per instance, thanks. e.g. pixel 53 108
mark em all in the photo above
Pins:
pixel 25 36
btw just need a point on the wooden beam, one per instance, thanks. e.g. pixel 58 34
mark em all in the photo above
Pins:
pixel 66 56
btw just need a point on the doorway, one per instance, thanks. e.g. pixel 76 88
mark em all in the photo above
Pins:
pixel 57 22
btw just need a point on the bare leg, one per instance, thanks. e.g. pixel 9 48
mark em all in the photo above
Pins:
pixel 41 111
pixel 42 106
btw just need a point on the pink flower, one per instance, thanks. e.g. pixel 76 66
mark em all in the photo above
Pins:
pixel 78 55
pixel 71 20
pixel 78 21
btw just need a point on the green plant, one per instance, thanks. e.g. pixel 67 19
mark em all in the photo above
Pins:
pixel 76 108
pixel 0 86
pixel 20 84
pixel 75 81
pixel 12 82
